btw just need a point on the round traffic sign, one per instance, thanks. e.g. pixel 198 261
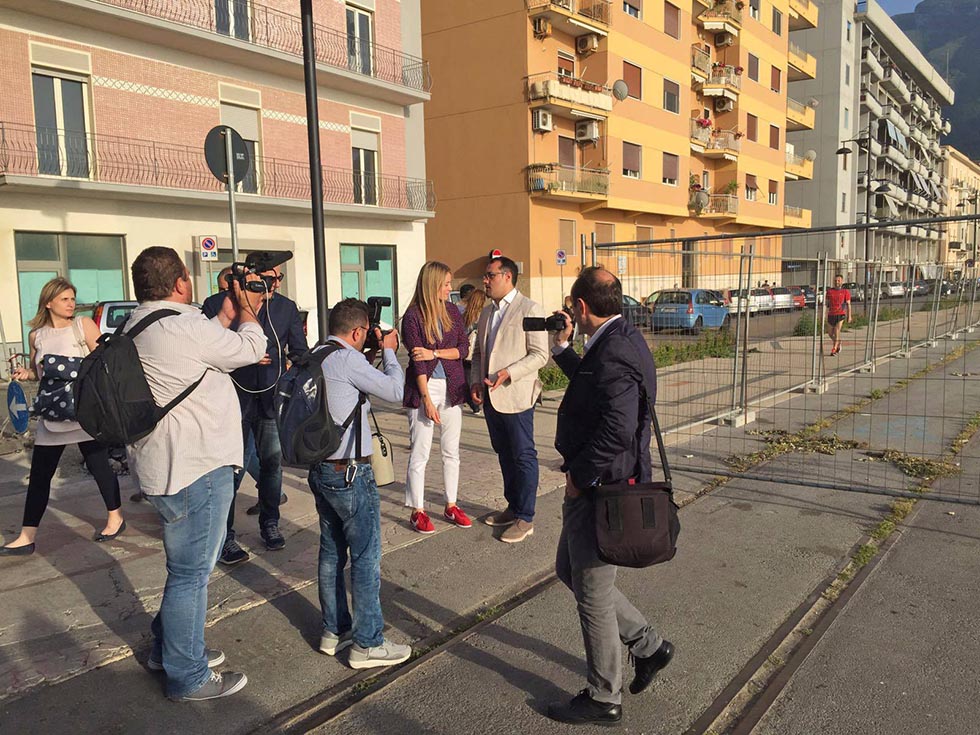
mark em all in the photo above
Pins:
pixel 208 244
pixel 17 407
pixel 214 153
pixel 561 257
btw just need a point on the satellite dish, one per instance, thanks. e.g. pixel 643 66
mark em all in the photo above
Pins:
pixel 620 90
pixel 810 155
pixel 813 102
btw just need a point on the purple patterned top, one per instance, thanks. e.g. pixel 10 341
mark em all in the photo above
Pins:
pixel 413 335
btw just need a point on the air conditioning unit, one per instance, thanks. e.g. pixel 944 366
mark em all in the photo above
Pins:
pixel 586 131
pixel 542 27
pixel 724 39
pixel 723 104
pixel 587 44
pixel 541 121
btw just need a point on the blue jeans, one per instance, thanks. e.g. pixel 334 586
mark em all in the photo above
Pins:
pixel 350 523
pixel 193 533
pixel 263 435
pixel 512 438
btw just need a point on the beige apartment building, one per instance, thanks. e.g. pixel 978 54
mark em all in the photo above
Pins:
pixel 105 110
pixel 963 178
pixel 533 144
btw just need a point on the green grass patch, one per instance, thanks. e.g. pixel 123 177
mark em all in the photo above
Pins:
pixel 552 377
pixel 875 394
pixel 805 326
pixel 890 313
pixel 864 554
pixel 712 344
pixel 857 322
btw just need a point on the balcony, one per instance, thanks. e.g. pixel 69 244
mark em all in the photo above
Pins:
pixel 700 64
pixel 797 217
pixel 803 15
pixel 268 40
pixel 724 81
pixel 937 119
pixel 801 64
pixel 723 144
pixel 574 17
pixel 567 182
pixel 566 95
pixel 143 169
pixel 893 82
pixel 947 127
pixel 724 16
pixel 799 116
pixel 896 156
pixel 917 135
pixel 701 133
pixel 719 206
pixel 870 102
pixel 797 167
pixel 892 114
pixel 870 64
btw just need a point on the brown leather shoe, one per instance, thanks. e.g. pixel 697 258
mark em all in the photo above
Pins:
pixel 517 532
pixel 504 518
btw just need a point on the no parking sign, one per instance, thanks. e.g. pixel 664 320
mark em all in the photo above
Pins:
pixel 209 248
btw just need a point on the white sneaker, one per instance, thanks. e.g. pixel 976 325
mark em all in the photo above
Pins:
pixel 331 643
pixel 387 654
pixel 217 686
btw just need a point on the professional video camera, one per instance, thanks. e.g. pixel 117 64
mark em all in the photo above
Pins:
pixel 553 323
pixel 257 262
pixel 375 305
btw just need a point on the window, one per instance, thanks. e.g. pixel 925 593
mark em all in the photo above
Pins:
pixel 632 159
pixel 752 127
pixel 566 235
pixel 644 232
pixel 566 65
pixel 751 188
pixel 774 137
pixel 754 8
pixel 245 121
pixel 847 74
pixel 753 67
pixel 777 22
pixel 359 41
pixel 566 151
pixel 633 7
pixel 231 18
pixel 369 270
pixel 671 171
pixel 672 20
pixel 706 180
pixel 847 119
pixel 60 121
pixel 843 163
pixel 843 201
pixel 605 232
pixel 773 192
pixel 847 33
pixel 776 79
pixel 672 96
pixel 633 76
pixel 364 156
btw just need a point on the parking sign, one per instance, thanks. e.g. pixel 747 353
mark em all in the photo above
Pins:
pixel 561 257
pixel 209 248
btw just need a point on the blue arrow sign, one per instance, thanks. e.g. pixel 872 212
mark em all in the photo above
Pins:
pixel 17 406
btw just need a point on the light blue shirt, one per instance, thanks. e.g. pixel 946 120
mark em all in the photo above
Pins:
pixel 348 374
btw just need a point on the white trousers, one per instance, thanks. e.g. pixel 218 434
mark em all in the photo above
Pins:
pixel 420 430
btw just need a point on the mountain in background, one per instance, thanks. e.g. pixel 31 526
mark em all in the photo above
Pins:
pixel 947 32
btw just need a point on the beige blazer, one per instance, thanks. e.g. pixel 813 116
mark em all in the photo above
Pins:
pixel 521 353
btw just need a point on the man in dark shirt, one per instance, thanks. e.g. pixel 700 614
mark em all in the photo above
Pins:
pixel 255 384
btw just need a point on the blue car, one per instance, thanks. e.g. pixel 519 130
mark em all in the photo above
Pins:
pixel 690 309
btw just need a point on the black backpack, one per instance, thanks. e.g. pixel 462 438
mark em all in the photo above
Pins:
pixel 307 432
pixel 113 402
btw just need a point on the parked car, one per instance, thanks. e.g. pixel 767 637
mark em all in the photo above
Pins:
pixel 107 315
pixel 799 299
pixel 650 300
pixel 921 288
pixel 637 314
pixel 892 290
pixel 759 300
pixel 782 299
pixel 856 289
pixel 809 296
pixel 767 303
pixel 691 309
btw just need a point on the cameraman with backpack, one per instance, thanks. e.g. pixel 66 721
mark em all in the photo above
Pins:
pixel 186 464
pixel 347 495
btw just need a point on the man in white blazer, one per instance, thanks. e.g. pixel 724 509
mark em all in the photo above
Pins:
pixel 504 378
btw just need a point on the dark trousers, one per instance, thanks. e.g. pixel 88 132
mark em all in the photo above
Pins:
pixel 44 462
pixel 512 438
pixel 270 472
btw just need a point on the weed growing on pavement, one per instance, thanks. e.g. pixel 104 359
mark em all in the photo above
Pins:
pixel 779 442
pixel 805 326
pixel 552 378
pixel 858 322
pixel 713 344
pixel 875 394
pixel 890 313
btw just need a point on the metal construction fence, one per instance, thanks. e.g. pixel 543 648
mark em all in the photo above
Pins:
pixel 750 382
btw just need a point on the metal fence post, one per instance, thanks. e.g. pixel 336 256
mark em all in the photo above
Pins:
pixel 907 322
pixel 739 326
pixel 745 334
pixel 816 325
pixel 934 314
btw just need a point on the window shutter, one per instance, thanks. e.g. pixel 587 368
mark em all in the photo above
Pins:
pixel 244 120
pixel 632 155
pixel 752 127
pixel 633 76
pixel 774 137
pixel 776 77
pixel 671 166
pixel 566 65
pixel 773 187
pixel 751 182
pixel 672 20
pixel 753 67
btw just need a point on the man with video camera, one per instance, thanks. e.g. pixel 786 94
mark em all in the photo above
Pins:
pixel 280 319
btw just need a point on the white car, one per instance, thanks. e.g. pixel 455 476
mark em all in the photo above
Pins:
pixel 782 299
pixel 893 290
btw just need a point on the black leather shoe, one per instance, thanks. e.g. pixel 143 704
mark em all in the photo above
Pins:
pixel 273 537
pixel 25 550
pixel 647 668
pixel 584 710
pixel 100 537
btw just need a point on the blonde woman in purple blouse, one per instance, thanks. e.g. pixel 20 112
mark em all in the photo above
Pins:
pixel 435 388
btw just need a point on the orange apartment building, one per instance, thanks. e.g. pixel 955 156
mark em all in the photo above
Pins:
pixel 530 147
pixel 105 109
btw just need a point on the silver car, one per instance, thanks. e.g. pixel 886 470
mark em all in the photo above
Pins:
pixel 782 299
pixel 893 290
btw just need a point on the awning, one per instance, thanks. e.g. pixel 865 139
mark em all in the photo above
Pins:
pixel 886 207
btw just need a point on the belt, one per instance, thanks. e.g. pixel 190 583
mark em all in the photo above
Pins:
pixel 343 464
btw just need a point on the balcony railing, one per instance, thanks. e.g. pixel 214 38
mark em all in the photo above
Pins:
pixel 109 159
pixel 725 141
pixel 700 60
pixel 724 12
pixel 721 204
pixel 725 75
pixel 274 29
pixel 701 132
pixel 553 178
pixel 554 86
pixel 597 11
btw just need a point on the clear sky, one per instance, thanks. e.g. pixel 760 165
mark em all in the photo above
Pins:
pixel 897 7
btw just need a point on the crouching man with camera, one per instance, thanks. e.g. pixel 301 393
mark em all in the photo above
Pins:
pixel 346 493
pixel 186 464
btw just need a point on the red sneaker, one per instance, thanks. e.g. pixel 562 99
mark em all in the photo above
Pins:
pixel 421 522
pixel 457 516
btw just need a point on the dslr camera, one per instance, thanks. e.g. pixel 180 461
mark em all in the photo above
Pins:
pixel 258 262
pixel 553 323
pixel 375 305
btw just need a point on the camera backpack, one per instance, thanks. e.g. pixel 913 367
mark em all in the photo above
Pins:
pixel 113 402
pixel 307 432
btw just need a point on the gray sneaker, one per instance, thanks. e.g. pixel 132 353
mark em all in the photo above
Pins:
pixel 387 654
pixel 331 643
pixel 219 685
pixel 215 658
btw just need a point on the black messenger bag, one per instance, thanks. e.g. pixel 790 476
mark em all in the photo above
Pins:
pixel 636 523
